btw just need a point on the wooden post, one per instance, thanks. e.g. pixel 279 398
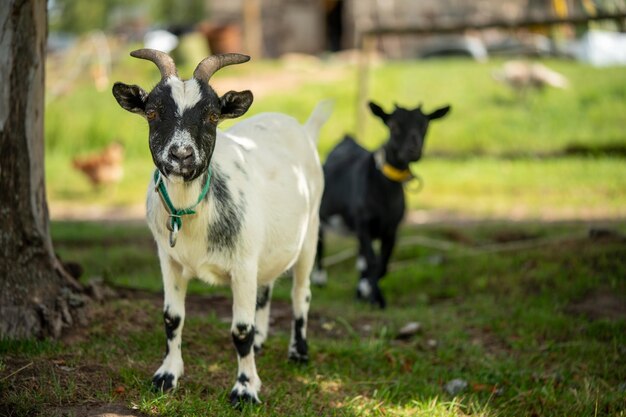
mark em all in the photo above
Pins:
pixel 253 29
pixel 368 43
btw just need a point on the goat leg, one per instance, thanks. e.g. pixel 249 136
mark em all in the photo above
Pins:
pixel 174 291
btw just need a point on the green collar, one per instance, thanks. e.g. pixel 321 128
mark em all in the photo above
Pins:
pixel 176 220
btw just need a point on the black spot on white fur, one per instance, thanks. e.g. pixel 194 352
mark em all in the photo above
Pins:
pixel 163 382
pixel 299 352
pixel 171 324
pixel 224 231
pixel 263 297
pixel 241 169
pixel 238 400
pixel 243 338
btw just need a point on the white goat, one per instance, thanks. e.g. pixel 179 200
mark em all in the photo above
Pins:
pixel 254 193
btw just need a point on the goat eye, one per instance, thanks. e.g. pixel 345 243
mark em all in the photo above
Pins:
pixel 151 115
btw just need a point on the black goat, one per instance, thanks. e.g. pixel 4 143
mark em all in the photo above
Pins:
pixel 364 193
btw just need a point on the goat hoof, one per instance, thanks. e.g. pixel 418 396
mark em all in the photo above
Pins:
pixel 163 382
pixel 298 358
pixel 379 302
pixel 240 399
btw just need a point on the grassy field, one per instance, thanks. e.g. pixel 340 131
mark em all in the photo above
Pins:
pixel 555 154
pixel 532 316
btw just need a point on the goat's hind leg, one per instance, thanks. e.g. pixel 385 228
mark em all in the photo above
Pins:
pixel 301 300
pixel 244 290
pixel 319 275
pixel 174 291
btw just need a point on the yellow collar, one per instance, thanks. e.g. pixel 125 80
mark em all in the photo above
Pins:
pixel 395 174
pixel 391 172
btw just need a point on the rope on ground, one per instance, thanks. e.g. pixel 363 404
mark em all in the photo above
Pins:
pixel 496 248
pixel 460 251
pixel 427 242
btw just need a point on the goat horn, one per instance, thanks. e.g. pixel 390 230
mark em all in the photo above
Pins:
pixel 161 59
pixel 210 65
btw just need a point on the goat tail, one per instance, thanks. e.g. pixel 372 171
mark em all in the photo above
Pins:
pixel 318 117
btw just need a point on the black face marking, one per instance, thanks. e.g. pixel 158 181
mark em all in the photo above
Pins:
pixel 243 338
pixel 263 296
pixel 224 230
pixel 171 324
pixel 167 123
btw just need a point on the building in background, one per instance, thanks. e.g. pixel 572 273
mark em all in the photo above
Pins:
pixel 276 27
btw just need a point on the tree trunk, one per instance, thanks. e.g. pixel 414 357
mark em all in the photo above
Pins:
pixel 37 297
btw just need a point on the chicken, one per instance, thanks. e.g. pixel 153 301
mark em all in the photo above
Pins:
pixel 522 76
pixel 103 168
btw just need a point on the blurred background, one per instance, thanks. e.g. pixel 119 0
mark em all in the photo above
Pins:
pixel 537 88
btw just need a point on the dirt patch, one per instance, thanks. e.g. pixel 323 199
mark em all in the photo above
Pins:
pixel 600 304
pixel 488 340
pixel 138 310
pixel 508 236
pixel 106 410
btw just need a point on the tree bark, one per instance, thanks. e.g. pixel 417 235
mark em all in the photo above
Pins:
pixel 37 297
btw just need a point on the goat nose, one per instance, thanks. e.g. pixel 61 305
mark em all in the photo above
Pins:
pixel 181 153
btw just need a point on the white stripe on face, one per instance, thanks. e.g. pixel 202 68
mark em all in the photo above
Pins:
pixel 186 94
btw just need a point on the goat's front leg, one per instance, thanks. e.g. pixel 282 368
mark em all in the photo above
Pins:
pixel 244 288
pixel 174 290
pixel 387 244
pixel 366 263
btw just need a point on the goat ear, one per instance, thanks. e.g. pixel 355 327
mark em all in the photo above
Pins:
pixel 130 97
pixel 378 111
pixel 439 113
pixel 235 104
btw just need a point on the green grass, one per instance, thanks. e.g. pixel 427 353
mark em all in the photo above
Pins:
pixel 487 127
pixel 575 187
pixel 501 307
